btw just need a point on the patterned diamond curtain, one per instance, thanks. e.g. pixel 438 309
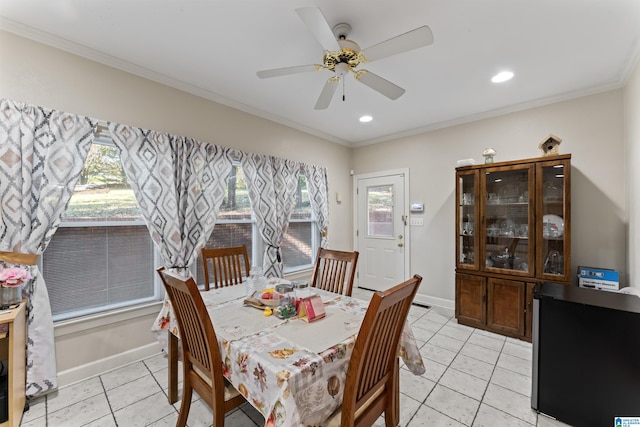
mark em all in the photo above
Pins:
pixel 179 184
pixel 319 198
pixel 271 184
pixel 41 155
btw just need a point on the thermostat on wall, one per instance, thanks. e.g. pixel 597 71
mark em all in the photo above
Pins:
pixel 417 207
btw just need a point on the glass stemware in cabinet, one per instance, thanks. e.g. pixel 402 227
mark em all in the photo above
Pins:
pixel 553 219
pixel 507 220
pixel 466 217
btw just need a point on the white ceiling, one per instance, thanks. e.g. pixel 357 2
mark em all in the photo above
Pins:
pixel 558 49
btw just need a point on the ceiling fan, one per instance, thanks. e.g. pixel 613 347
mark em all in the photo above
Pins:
pixel 342 56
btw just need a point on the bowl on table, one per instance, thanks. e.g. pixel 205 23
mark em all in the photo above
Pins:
pixel 273 299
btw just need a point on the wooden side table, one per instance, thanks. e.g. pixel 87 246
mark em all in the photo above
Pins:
pixel 13 349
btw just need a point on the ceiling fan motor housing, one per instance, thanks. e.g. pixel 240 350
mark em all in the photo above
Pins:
pixel 349 54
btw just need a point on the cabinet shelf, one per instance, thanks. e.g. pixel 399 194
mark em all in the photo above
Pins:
pixel 507 204
pixel 508 237
pixel 496 271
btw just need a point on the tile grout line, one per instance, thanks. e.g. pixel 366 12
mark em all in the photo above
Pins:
pixel 488 382
pixel 425 399
pixel 423 403
pixel 497 385
pixel 106 396
pixel 475 415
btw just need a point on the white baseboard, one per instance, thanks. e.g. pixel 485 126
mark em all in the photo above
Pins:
pixel 98 367
pixel 434 301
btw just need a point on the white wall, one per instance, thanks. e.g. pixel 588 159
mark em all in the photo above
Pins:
pixel 632 145
pixel 592 131
pixel 40 75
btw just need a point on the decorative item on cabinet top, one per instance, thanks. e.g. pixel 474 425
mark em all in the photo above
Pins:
pixel 550 146
pixel 465 162
pixel 488 154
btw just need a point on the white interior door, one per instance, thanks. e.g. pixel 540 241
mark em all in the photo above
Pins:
pixel 381 231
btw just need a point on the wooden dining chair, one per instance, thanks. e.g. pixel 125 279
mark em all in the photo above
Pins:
pixel 201 359
pixel 334 271
pixel 228 266
pixel 372 384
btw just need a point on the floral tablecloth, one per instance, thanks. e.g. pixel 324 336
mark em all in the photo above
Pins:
pixel 292 371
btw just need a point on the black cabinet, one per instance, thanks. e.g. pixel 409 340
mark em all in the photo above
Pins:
pixel 586 344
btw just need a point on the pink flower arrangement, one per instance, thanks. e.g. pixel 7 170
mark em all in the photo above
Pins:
pixel 13 277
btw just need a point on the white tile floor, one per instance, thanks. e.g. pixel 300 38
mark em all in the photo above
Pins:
pixel 473 378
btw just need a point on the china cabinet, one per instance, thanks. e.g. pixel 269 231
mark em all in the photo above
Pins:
pixel 512 231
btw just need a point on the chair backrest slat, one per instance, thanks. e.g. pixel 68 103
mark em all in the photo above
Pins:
pixel 224 266
pixel 335 271
pixel 373 365
pixel 194 323
pixel 201 359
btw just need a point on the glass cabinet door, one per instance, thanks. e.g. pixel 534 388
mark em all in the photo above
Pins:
pixel 553 188
pixel 508 223
pixel 466 220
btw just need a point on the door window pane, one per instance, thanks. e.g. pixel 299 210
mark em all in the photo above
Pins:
pixel 380 211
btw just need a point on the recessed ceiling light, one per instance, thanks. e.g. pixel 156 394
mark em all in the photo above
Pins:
pixel 502 76
pixel 365 119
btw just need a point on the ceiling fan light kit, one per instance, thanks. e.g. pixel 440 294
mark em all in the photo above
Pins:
pixel 342 56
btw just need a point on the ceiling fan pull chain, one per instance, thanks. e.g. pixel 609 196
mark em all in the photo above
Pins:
pixel 343 97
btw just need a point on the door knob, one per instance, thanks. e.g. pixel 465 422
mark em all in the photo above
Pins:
pixel 400 245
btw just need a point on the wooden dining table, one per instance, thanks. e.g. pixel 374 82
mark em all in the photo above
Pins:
pixel 292 371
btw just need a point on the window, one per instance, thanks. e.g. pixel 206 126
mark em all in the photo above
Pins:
pixel 101 257
pixel 301 241
pixel 236 226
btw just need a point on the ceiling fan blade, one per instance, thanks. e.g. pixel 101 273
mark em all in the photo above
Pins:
pixel 327 93
pixel 377 83
pixel 412 40
pixel 276 72
pixel 317 24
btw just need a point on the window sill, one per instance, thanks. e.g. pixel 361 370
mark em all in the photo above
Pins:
pixel 72 326
pixel 302 274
